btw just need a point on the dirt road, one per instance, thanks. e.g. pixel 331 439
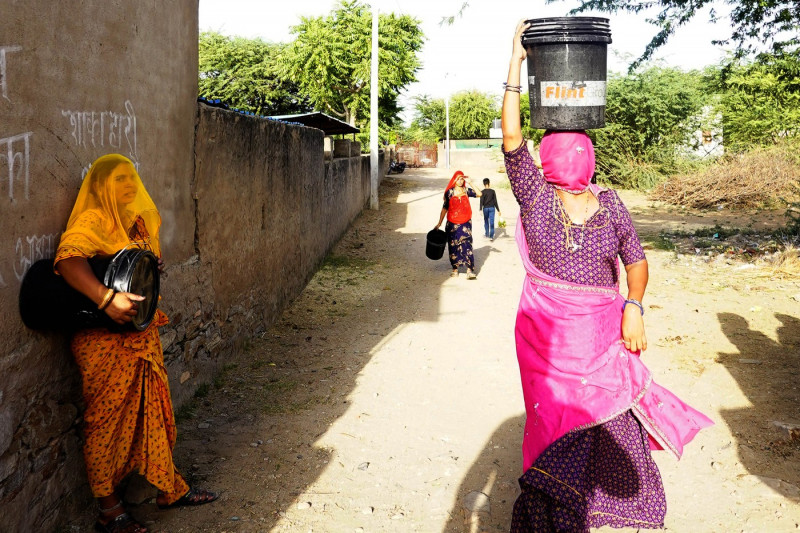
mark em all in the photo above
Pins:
pixel 387 397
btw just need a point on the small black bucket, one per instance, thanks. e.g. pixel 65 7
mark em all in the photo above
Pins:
pixel 567 72
pixel 436 241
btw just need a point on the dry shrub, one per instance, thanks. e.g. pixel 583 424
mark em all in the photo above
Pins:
pixel 757 178
pixel 784 264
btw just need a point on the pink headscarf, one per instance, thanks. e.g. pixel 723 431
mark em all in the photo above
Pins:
pixel 567 159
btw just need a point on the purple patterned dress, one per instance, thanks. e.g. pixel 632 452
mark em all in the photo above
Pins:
pixel 602 475
pixel 459 237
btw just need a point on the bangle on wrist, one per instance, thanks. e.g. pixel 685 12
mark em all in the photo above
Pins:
pixel 637 303
pixel 109 295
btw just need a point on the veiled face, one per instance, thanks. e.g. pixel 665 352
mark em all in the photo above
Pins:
pixel 125 187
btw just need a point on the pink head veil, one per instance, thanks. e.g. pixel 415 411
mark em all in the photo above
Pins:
pixel 567 159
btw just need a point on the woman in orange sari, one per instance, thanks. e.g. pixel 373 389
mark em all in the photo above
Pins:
pixel 129 424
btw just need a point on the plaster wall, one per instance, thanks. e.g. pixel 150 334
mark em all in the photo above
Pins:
pixel 249 207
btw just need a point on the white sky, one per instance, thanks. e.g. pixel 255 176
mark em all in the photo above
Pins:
pixel 473 53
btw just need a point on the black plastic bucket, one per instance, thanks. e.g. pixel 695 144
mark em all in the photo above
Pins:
pixel 567 71
pixel 435 243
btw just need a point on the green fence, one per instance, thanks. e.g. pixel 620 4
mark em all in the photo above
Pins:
pixel 477 144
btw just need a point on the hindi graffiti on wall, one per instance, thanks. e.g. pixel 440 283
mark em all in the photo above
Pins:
pixel 15 162
pixel 31 249
pixel 101 129
pixel 4 51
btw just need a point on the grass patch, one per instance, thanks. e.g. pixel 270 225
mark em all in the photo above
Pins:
pixel 338 262
pixel 662 242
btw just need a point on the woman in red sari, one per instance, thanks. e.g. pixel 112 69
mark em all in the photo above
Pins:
pixel 459 222
pixel 129 425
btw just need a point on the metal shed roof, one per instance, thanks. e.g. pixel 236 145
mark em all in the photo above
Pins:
pixel 321 121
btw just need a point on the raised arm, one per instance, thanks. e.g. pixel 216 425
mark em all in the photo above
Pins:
pixel 512 130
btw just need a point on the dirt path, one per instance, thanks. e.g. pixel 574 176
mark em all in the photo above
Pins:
pixel 387 398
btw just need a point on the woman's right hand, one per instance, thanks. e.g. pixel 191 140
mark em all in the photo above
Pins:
pixel 518 52
pixel 123 307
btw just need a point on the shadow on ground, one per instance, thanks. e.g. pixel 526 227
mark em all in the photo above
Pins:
pixel 272 403
pixel 487 493
pixel 766 372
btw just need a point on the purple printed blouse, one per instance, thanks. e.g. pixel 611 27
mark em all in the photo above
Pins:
pixel 589 256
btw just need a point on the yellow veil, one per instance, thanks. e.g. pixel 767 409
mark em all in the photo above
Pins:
pixel 102 225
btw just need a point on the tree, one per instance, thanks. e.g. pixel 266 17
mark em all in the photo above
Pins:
pixel 429 117
pixel 330 59
pixel 244 74
pixel 760 100
pixel 471 115
pixel 649 114
pixel 756 25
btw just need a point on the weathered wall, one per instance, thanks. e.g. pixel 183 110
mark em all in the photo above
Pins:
pixel 77 80
pixel 245 222
pixel 290 207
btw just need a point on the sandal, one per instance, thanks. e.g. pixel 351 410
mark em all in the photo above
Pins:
pixel 471 275
pixel 124 523
pixel 194 497
pixel 454 274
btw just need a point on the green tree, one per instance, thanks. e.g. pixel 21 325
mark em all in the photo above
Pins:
pixel 471 114
pixel 649 115
pixel 655 106
pixel 429 117
pixel 243 73
pixel 756 25
pixel 330 60
pixel 759 100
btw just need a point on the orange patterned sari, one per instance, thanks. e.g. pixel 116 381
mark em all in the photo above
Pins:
pixel 129 424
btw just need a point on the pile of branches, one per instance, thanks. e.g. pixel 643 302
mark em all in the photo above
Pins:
pixel 760 178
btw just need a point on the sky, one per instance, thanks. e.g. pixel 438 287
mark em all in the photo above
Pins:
pixel 473 52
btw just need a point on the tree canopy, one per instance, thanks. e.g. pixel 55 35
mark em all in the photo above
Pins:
pixel 759 100
pixel 769 26
pixel 244 73
pixel 330 59
pixel 471 115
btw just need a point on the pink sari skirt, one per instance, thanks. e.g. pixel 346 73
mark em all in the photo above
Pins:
pixel 576 372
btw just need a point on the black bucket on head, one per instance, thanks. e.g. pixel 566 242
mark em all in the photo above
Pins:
pixel 567 71
pixel 435 243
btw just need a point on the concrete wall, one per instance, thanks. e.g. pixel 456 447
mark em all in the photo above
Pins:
pixel 291 206
pixel 77 80
pixel 245 222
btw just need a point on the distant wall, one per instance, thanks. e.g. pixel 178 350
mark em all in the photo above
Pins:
pixel 475 160
pixel 249 208
pixel 484 161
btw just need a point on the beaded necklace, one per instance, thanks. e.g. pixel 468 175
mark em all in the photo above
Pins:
pixel 561 215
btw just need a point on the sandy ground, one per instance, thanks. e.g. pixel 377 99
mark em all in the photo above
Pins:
pixel 387 397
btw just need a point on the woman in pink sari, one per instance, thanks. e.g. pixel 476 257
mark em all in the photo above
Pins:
pixel 593 410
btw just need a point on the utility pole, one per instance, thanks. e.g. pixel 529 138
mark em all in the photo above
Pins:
pixel 373 115
pixel 447 131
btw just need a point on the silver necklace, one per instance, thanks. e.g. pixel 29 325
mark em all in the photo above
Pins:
pixel 578 245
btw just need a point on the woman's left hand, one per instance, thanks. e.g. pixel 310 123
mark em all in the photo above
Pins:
pixel 633 329
pixel 160 266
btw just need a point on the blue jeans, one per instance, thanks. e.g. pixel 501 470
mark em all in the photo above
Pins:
pixel 488 222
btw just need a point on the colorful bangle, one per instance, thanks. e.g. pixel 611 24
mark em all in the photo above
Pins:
pixel 637 303
pixel 107 299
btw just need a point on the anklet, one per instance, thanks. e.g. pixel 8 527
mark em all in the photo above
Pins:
pixel 112 508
